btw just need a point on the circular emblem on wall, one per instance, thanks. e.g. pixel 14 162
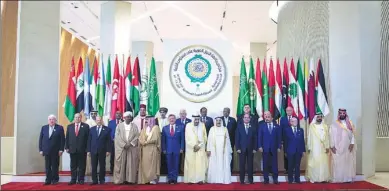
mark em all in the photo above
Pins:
pixel 198 73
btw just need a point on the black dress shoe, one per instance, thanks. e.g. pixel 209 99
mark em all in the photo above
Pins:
pixel 71 183
pixel 93 183
pixel 290 182
pixel 266 182
pixel 81 182
pixel 46 183
pixel 276 182
pixel 241 182
pixel 298 182
pixel 102 182
pixel 54 182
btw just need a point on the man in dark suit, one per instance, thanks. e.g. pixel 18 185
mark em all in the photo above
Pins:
pixel 208 121
pixel 269 143
pixel 172 145
pixel 284 124
pixel 246 144
pixel 76 142
pixel 253 118
pixel 295 149
pixel 230 123
pixel 99 146
pixel 51 145
pixel 112 127
pixel 182 121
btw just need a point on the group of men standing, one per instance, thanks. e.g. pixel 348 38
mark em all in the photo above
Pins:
pixel 144 147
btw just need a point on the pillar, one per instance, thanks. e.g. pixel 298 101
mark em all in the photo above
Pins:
pixel 354 60
pixel 36 85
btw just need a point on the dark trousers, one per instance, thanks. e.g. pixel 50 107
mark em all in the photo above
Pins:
pixel 294 167
pixel 112 159
pixel 243 156
pixel 286 164
pixel 181 163
pixel 163 167
pixel 77 166
pixel 98 158
pixel 51 166
pixel 270 159
pixel 173 164
pixel 232 162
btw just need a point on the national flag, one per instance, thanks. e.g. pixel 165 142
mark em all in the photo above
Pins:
pixel 243 97
pixel 115 89
pixel 128 79
pixel 70 100
pixel 87 94
pixel 80 86
pixel 300 90
pixel 153 94
pixel 278 93
pixel 258 83
pixel 285 85
pixel 100 90
pixel 306 78
pixel 272 87
pixel 265 88
pixel 292 90
pixel 136 87
pixel 108 90
pixel 311 91
pixel 321 92
pixel 122 88
pixel 143 90
pixel 94 75
pixel 252 89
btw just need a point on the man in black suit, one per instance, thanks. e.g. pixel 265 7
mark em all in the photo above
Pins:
pixel 208 121
pixel 230 123
pixel 99 146
pixel 253 118
pixel 76 142
pixel 51 145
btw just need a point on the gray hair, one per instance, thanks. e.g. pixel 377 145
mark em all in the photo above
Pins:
pixel 51 116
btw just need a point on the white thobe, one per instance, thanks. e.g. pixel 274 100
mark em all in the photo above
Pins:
pixel 91 122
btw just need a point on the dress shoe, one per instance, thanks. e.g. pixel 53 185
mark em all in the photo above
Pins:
pixel 93 183
pixel 251 182
pixel 241 182
pixel 71 183
pixel 46 183
pixel 276 182
pixel 298 182
pixel 54 182
pixel 290 182
pixel 81 182
pixel 102 182
pixel 266 182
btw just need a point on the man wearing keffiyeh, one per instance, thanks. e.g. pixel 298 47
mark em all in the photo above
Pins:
pixel 343 147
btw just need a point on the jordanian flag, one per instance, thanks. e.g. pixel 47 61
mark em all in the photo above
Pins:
pixel 136 87
pixel 252 88
pixel 153 94
pixel 70 100
pixel 243 89
pixel 100 91
pixel 300 90
pixel 321 92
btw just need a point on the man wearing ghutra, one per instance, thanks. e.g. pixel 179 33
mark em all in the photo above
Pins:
pixel 161 122
pixel 220 154
pixel 150 152
pixel 343 147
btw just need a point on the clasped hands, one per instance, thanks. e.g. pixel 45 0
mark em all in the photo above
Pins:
pixel 261 150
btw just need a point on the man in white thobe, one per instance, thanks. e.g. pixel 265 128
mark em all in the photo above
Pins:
pixel 343 148
pixel 196 161
pixel 220 154
pixel 318 144
pixel 92 120
pixel 140 120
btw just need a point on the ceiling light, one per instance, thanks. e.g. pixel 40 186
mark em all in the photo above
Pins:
pixel 188 25
pixel 233 22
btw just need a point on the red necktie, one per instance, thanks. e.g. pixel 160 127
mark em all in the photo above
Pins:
pixel 76 129
pixel 141 123
pixel 171 130
pixel 117 122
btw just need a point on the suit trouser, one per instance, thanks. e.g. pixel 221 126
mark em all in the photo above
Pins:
pixel 243 156
pixel 173 164
pixel 98 158
pixel 163 167
pixel 112 159
pixel 51 166
pixel 294 166
pixel 270 159
pixel 78 166
pixel 285 158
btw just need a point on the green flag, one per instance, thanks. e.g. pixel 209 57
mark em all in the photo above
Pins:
pixel 100 90
pixel 252 88
pixel 153 99
pixel 265 89
pixel 243 89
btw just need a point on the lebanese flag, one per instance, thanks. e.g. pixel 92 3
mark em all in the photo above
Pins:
pixel 311 91
pixel 278 94
pixel 135 88
pixel 70 100
pixel 128 79
pixel 115 89
pixel 285 85
pixel 122 89
pixel 300 90
pixel 272 85
pixel 292 99
pixel 258 83
pixel 80 86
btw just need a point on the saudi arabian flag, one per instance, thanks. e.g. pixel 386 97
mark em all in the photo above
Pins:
pixel 100 91
pixel 243 89
pixel 153 94
pixel 252 88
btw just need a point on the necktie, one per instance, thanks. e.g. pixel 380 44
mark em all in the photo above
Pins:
pixel 270 128
pixel 171 130
pixel 77 129
pixel 183 122
pixel 50 131
pixel 203 119
pixel 98 130
pixel 247 129
pixel 294 131
pixel 141 123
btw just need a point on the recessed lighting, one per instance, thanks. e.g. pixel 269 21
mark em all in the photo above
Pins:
pixel 233 22
pixel 188 25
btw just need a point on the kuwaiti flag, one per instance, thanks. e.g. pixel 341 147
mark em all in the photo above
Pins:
pixel 321 92
pixel 100 91
pixel 80 86
pixel 292 91
pixel 115 89
pixel 93 79
pixel 258 83
pixel 87 95
pixel 128 79
pixel 300 90
pixel 278 93
pixel 108 90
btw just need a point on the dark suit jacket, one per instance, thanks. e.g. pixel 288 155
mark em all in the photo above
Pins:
pixel 99 143
pixel 253 120
pixel 294 144
pixel 77 144
pixel 245 142
pixel 231 126
pixel 54 143
pixel 179 122
pixel 208 123
pixel 175 143
pixel 269 142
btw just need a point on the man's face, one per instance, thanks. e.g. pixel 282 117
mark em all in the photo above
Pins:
pixel 246 109
pixel 196 121
pixel 342 115
pixel 77 118
pixel 118 115
pixel 128 119
pixel 203 112
pixel 172 120
pixel 293 122
pixel 246 118
pixel 289 111
pixel 268 117
pixel 142 112
pixel 52 121
pixel 218 122
pixel 226 112
pixel 93 115
pixel 182 114
pixel 162 113
pixel 99 121
pixel 319 118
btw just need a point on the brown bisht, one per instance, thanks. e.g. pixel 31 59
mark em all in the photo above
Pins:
pixel 150 155
pixel 126 154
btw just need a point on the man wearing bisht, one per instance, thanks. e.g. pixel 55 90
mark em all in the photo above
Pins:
pixel 196 161
pixel 126 151
pixel 220 154
pixel 318 145
pixel 343 147
pixel 150 152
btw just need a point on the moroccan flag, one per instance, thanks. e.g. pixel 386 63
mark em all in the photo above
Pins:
pixel 272 86
pixel 122 89
pixel 311 91
pixel 108 90
pixel 153 94
pixel 87 95
pixel 258 83
pixel 306 78
pixel 80 86
pixel 95 74
pixel 70 100
pixel 115 89
pixel 300 90
pixel 292 90
pixel 252 88
pixel 285 85
pixel 100 89
pixel 136 87
pixel 128 79
pixel 321 92
pixel 265 88
pixel 278 93
pixel 243 89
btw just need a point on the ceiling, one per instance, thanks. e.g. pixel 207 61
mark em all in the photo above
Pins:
pixel 244 22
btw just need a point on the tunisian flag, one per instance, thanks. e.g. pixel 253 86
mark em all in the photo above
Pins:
pixel 115 89
pixel 272 86
pixel 122 90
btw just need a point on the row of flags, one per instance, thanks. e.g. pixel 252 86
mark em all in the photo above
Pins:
pixel 271 89
pixel 98 88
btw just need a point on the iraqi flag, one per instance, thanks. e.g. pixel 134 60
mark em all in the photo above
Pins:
pixel 80 86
